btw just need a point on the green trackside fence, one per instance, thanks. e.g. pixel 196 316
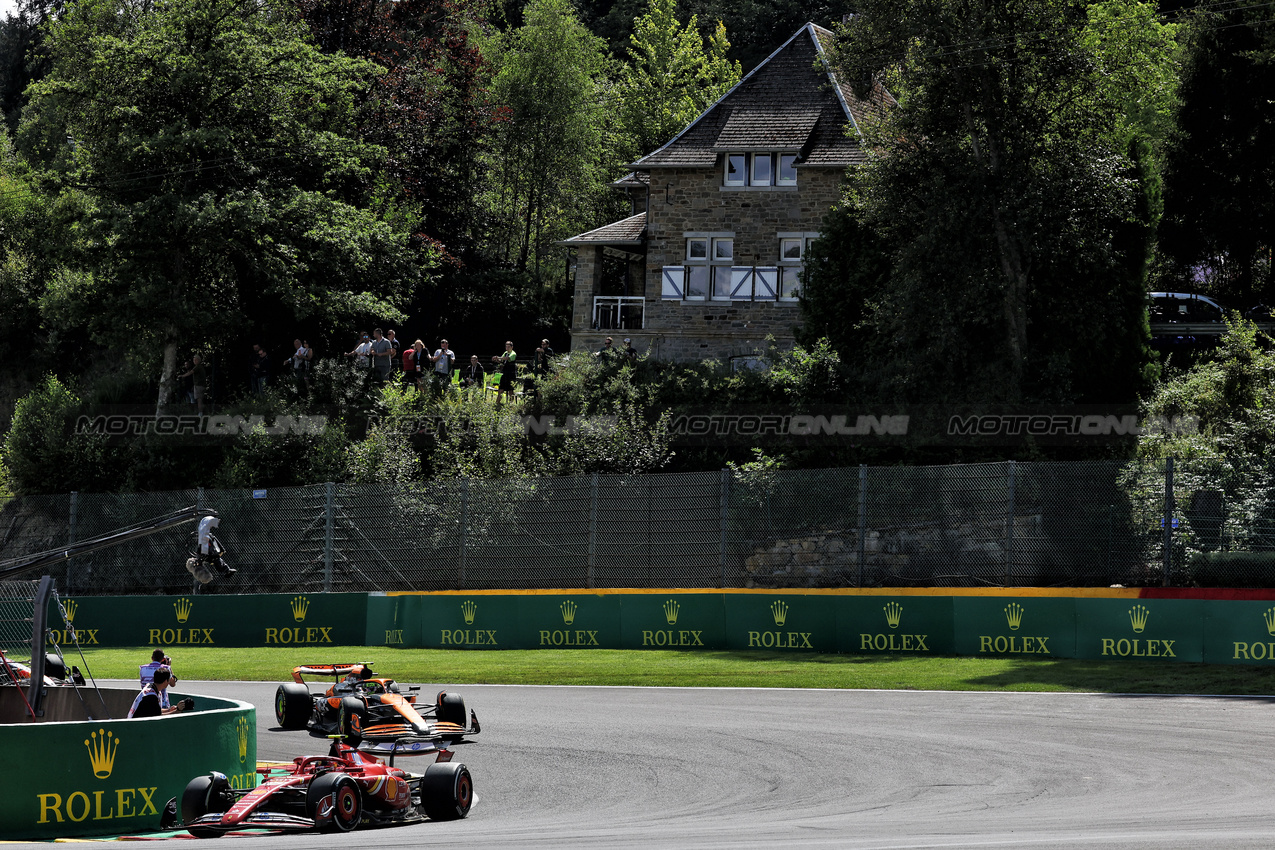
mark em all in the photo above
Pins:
pixel 108 777
pixel 1214 626
pixel 1234 627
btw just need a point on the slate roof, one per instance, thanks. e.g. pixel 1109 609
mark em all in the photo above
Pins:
pixel 633 180
pixel 791 101
pixel 626 231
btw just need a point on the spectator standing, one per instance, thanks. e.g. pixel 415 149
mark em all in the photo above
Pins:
pixel 382 355
pixel 607 351
pixel 508 363
pixel 198 381
pixel 301 360
pixel 540 362
pixel 411 376
pixel 260 369
pixel 394 349
pixel 443 359
pixel 629 352
pixel 474 374
pixel 362 352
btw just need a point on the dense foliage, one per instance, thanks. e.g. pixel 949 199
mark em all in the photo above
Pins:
pixel 199 175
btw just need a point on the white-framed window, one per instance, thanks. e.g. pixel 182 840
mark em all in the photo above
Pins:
pixel 760 169
pixel 786 175
pixel 708 260
pixel 793 248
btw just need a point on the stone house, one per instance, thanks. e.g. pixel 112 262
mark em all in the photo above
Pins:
pixel 707 265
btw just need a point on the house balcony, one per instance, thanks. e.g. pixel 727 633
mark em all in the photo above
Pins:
pixel 619 312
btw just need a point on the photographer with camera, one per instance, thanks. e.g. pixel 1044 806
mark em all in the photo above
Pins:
pixel 152 701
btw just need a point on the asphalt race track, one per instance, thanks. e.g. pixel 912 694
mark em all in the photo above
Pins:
pixel 729 768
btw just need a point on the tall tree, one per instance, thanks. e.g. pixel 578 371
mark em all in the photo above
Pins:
pixel 1003 191
pixel 1219 226
pixel 209 148
pixel 549 165
pixel 673 75
pixel 431 109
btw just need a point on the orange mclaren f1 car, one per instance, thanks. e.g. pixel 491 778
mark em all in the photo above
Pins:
pixel 362 707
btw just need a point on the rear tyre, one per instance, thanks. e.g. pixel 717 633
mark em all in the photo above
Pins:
pixel 293 705
pixel 450 708
pixel 334 803
pixel 447 791
pixel 205 795
pixel 352 719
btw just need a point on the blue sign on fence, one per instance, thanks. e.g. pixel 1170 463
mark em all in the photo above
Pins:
pixel 258 494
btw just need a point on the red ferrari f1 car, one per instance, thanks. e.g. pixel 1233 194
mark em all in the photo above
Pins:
pixel 360 706
pixel 334 793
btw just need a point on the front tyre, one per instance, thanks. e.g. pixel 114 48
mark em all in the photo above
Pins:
pixel 333 802
pixel 450 708
pixel 352 719
pixel 203 796
pixel 293 705
pixel 447 791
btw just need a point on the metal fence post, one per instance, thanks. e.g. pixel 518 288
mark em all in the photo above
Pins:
pixel 71 520
pixel 863 520
pixel 464 528
pixel 725 509
pixel 593 530
pixel 1009 528
pixel 199 498
pixel 1168 520
pixel 329 532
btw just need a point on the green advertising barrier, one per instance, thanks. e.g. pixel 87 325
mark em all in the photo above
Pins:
pixel 570 621
pixel 1142 629
pixel 1005 625
pixel 781 621
pixel 110 777
pixel 887 624
pixel 672 621
pixel 471 621
pixel 395 620
pixel 301 619
pixel 1239 632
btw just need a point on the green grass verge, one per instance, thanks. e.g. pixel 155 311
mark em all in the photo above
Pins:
pixel 699 669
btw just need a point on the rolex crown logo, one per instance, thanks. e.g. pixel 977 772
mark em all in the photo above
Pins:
pixel 893 613
pixel 70 608
pixel 102 752
pixel 670 611
pixel 1014 615
pixel 568 612
pixel 241 729
pixel 182 607
pixel 469 608
pixel 299 606
pixel 1138 618
pixel 1269 617
pixel 779 610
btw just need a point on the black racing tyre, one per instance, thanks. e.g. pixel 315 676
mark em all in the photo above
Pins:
pixel 204 795
pixel 447 791
pixel 293 705
pixel 341 794
pixel 351 719
pixel 450 708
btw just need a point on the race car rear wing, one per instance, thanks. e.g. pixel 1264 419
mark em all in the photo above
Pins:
pixel 339 671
